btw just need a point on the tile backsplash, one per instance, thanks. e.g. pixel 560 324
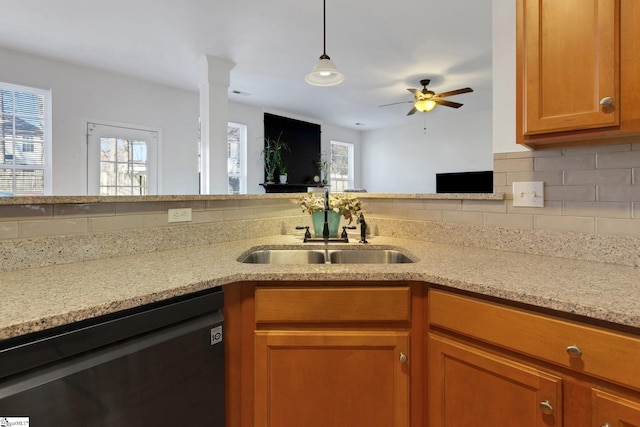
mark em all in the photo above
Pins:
pixel 587 189
pixel 591 211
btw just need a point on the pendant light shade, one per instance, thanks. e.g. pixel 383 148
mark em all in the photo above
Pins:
pixel 324 73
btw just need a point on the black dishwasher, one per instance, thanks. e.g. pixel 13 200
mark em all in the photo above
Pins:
pixel 160 364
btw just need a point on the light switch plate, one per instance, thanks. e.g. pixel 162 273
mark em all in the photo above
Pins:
pixel 528 194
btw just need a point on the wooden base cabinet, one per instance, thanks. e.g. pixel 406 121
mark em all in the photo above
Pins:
pixel 331 378
pixel 470 387
pixel 493 364
pixel 319 354
pixel 611 410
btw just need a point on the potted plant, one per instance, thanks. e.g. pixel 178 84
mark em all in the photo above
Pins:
pixel 340 205
pixel 281 164
pixel 272 155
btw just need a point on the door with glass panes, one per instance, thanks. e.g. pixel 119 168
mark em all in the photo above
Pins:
pixel 121 161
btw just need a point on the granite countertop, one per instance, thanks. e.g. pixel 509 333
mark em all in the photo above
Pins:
pixel 41 298
pixel 50 200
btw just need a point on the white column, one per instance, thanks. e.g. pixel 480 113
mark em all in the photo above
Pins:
pixel 213 81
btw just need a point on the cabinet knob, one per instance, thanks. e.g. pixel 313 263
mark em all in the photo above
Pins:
pixel 605 425
pixel 403 357
pixel 607 100
pixel 574 351
pixel 546 407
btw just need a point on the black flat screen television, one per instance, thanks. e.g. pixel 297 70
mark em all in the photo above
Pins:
pixel 465 182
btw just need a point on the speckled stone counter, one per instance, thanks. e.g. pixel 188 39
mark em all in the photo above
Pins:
pixel 40 298
pixel 51 200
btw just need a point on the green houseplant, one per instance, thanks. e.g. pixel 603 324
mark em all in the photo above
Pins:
pixel 272 154
pixel 282 168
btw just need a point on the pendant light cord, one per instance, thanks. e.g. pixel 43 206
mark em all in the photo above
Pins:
pixel 324 29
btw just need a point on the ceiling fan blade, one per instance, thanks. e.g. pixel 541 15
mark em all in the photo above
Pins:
pixel 455 92
pixel 394 103
pixel 413 111
pixel 415 92
pixel 448 103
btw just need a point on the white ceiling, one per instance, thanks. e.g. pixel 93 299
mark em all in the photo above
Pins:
pixel 382 47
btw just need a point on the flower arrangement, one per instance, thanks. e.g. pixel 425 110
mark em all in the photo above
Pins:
pixel 346 205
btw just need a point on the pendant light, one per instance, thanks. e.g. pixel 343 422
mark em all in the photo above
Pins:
pixel 324 73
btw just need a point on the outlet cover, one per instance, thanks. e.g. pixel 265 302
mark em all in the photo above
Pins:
pixel 528 194
pixel 180 215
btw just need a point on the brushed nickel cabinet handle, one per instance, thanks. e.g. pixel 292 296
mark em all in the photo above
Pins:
pixel 546 407
pixel 403 358
pixel 574 351
pixel 607 100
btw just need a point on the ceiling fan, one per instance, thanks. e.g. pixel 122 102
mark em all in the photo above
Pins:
pixel 425 99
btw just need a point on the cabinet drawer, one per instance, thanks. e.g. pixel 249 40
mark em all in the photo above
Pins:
pixel 606 354
pixel 333 304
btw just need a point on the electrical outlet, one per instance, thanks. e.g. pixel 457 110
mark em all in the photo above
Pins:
pixel 180 215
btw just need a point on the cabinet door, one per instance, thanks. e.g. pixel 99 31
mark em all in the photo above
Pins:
pixel 568 56
pixel 469 387
pixel 610 410
pixel 331 378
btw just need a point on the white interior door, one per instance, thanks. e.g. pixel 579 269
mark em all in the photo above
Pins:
pixel 121 161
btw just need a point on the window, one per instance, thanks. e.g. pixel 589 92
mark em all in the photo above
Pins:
pixel 123 167
pixel 341 166
pixel 236 158
pixel 122 161
pixel 25 141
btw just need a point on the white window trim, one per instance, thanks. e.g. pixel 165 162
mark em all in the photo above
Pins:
pixel 351 166
pixel 243 156
pixel 48 137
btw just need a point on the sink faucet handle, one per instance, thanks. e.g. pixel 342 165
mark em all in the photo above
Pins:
pixel 307 234
pixel 363 229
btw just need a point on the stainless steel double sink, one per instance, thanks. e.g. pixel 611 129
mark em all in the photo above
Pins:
pixel 329 256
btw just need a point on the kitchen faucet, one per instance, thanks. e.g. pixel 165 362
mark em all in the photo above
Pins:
pixel 325 229
pixel 326 238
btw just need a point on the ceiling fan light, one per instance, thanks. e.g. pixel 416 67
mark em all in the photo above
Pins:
pixel 324 73
pixel 425 105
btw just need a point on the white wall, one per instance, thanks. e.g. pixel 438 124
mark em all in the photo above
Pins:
pixel 253 117
pixel 465 143
pixel 405 159
pixel 401 159
pixel 504 77
pixel 79 94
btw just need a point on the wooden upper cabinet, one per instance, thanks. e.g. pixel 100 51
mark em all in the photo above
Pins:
pixel 577 71
pixel 570 64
